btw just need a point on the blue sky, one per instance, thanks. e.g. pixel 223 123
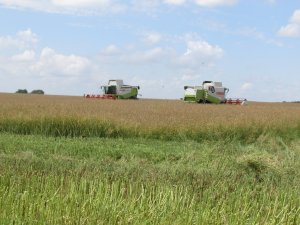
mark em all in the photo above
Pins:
pixel 72 47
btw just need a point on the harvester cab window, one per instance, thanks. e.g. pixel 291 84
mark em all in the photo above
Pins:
pixel 211 89
pixel 111 90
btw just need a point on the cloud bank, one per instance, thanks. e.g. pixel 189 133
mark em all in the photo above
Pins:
pixel 104 6
pixel 23 60
pixel 292 29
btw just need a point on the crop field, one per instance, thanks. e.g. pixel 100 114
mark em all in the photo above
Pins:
pixel 160 119
pixel 70 160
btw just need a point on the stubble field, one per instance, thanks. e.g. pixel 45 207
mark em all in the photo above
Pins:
pixel 69 160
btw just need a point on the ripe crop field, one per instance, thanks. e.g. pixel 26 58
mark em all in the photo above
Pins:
pixel 69 160
pixel 77 117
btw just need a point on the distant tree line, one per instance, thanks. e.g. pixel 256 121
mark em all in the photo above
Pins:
pixel 24 91
pixel 291 102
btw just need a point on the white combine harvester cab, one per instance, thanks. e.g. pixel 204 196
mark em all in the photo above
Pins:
pixel 116 83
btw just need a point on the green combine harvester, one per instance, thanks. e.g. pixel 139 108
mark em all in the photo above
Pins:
pixel 116 89
pixel 208 92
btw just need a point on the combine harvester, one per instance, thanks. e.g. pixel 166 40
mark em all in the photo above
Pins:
pixel 116 89
pixel 210 92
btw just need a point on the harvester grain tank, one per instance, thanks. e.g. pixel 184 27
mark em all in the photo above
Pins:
pixel 208 92
pixel 116 89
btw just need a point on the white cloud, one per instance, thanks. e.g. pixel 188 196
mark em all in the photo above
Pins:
pixel 82 3
pixel 66 6
pixel 200 52
pixel 22 40
pixel 213 3
pixel 52 63
pixel 175 2
pixel 111 50
pixel 27 36
pixel 103 6
pixel 49 70
pixel 247 86
pixel 271 1
pixel 292 29
pixel 80 25
pixel 9 42
pixel 27 55
pixel 156 54
pixel 296 17
pixel 203 48
pixel 145 6
pixel 133 54
pixel 150 4
pixel 152 37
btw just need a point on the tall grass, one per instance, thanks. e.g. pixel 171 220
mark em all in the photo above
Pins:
pixel 138 181
pixel 74 127
pixel 69 200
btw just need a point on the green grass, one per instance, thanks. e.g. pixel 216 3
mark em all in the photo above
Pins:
pixel 57 180
pixel 76 127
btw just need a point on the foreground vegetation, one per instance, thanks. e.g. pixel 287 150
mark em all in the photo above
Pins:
pixel 69 160
pixel 138 181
